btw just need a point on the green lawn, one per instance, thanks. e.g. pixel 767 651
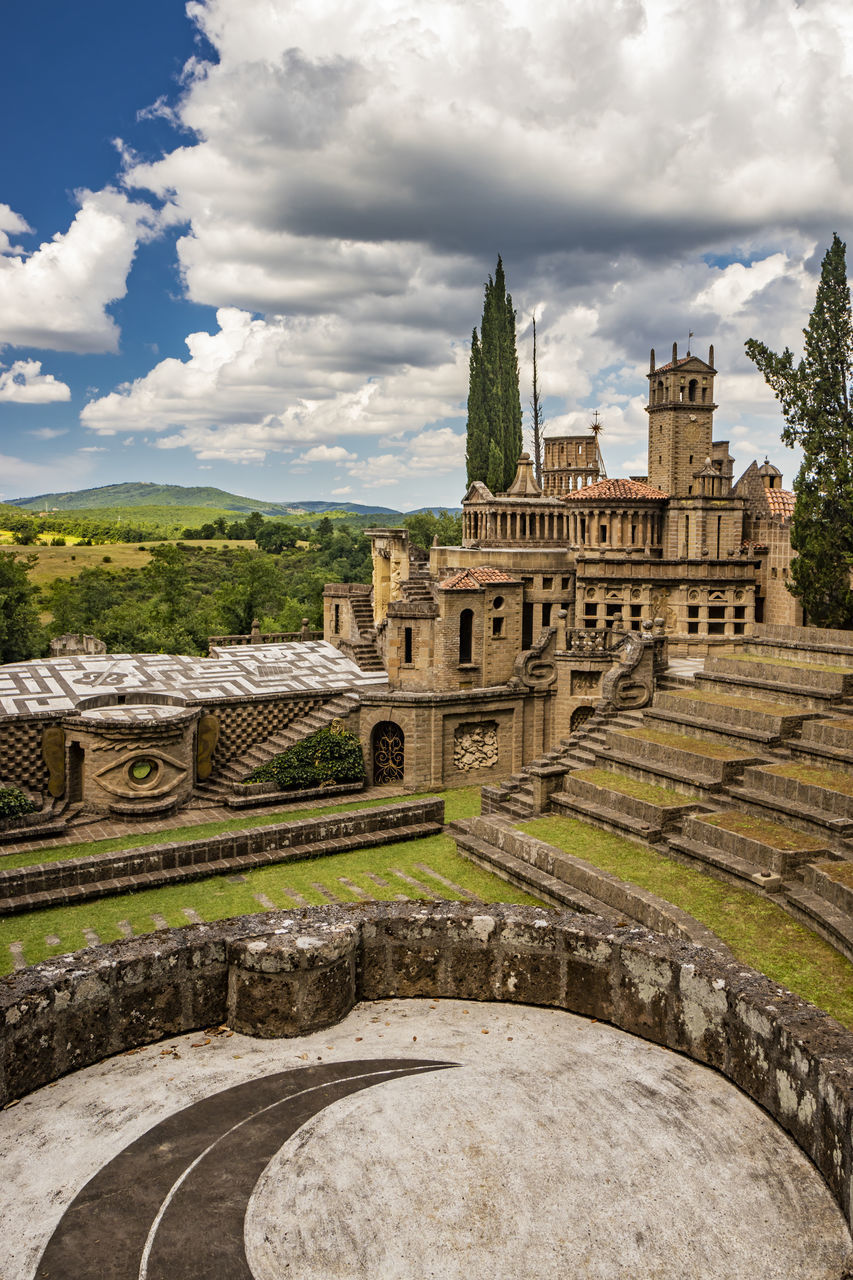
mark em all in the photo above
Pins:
pixel 286 886
pixel 759 933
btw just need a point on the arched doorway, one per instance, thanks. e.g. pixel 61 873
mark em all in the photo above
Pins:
pixel 387 744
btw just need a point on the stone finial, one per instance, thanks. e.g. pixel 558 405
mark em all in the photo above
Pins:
pixel 652 361
pixel 674 352
pixel 524 485
pixel 711 355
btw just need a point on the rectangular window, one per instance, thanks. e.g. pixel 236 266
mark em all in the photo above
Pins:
pixel 740 611
pixel 716 628
pixel 546 614
pixel 693 628
pixel 547 584
pixel 565 583
pixel 693 611
pixel 407 645
pixel 497 626
pixel 717 611
pixel 337 621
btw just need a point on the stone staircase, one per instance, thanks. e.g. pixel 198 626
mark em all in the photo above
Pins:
pixel 745 771
pixel 218 788
pixel 363 651
pixel 417 588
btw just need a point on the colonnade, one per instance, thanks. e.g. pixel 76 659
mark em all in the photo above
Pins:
pixel 595 528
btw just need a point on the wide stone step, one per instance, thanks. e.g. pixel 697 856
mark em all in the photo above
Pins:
pixel 685 756
pixel 615 791
pixel 822 917
pixel 69 892
pixel 802 816
pixel 525 875
pixel 732 709
pixel 801 697
pixel 809 676
pixel 711 729
pixel 660 774
pixel 766 844
pixel 569 804
pixel 821 789
pixel 722 865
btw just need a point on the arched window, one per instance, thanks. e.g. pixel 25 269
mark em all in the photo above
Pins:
pixel 691 389
pixel 466 630
pixel 660 390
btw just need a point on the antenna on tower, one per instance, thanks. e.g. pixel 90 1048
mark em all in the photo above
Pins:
pixel 596 427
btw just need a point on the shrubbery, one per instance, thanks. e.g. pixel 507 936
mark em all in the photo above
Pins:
pixel 13 802
pixel 323 758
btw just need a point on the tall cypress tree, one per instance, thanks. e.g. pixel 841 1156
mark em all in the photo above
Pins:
pixel 815 396
pixel 494 403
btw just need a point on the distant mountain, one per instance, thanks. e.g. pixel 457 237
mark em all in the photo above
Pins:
pixel 178 495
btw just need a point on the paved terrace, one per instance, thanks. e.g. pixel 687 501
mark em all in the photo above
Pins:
pixel 416 1139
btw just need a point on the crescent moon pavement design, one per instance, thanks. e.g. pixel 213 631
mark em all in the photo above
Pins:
pixel 174 1201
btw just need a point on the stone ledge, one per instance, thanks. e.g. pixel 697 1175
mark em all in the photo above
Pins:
pixel 785 1054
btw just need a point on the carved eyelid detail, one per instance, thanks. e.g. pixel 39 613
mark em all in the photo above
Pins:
pixel 174 770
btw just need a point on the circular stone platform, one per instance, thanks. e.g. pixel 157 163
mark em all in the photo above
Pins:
pixel 414 1139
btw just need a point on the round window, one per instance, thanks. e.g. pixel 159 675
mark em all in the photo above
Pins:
pixel 498 602
pixel 141 771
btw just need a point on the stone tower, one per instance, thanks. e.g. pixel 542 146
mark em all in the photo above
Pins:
pixel 681 414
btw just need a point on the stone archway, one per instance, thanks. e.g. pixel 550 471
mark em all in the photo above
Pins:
pixel 387 744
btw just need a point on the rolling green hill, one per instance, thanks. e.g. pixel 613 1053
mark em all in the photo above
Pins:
pixel 112 496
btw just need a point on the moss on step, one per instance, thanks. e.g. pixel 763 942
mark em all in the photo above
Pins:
pixel 769 833
pixel 634 787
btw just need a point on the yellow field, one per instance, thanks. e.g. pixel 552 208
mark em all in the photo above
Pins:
pixel 67 562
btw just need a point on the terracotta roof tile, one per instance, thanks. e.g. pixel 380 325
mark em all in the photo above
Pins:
pixel 614 490
pixel 662 368
pixel 473 579
pixel 781 502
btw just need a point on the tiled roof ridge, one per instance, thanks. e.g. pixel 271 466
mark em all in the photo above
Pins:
pixel 615 488
pixel 476 577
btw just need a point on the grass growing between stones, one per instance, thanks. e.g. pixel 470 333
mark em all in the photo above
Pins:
pixel 799 664
pixel 463 802
pixel 758 932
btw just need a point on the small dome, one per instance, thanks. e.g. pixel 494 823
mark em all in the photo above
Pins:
pixel 767 469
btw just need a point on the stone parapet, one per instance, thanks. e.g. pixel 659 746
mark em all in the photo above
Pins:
pixel 793 1060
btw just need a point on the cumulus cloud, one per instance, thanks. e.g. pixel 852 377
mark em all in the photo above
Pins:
pixel 24 383
pixel 327 453
pixel 345 176
pixel 57 296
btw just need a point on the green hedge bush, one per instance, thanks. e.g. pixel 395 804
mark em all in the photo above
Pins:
pixel 323 758
pixel 13 802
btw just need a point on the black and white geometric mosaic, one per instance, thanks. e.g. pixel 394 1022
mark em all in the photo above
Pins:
pixel 59 684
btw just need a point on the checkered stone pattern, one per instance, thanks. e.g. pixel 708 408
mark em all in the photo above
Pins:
pixel 244 725
pixel 58 684
pixel 20 753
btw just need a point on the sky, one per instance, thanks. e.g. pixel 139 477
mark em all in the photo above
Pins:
pixel 243 243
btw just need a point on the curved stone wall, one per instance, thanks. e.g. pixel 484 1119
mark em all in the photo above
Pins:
pixel 290 972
